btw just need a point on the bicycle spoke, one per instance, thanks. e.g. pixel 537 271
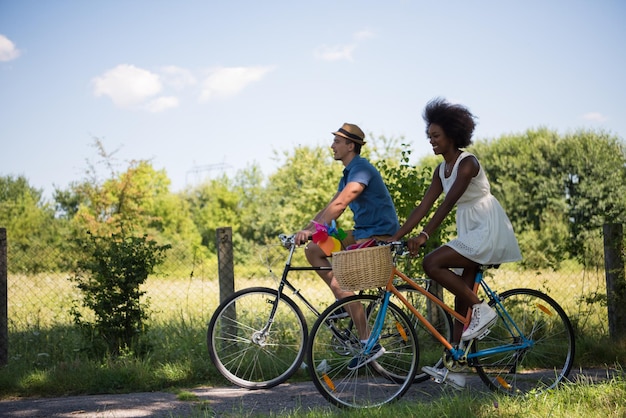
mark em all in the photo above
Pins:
pixel 248 354
pixel 545 350
pixel 371 384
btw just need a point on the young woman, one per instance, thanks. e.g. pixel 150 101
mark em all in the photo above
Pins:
pixel 484 232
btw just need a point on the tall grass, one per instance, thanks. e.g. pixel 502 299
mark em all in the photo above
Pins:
pixel 48 356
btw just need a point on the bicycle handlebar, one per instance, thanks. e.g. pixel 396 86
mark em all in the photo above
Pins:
pixel 398 247
pixel 287 241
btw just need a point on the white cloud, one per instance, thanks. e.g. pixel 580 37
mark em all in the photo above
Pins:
pixel 162 103
pixel 342 52
pixel 335 53
pixel 127 85
pixel 595 117
pixel 135 88
pixel 8 51
pixel 227 82
pixel 177 77
pixel 363 35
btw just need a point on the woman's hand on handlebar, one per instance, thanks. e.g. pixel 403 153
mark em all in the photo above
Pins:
pixel 415 243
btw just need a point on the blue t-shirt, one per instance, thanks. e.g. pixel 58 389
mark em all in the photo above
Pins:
pixel 374 212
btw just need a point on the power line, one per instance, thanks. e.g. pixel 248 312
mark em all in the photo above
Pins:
pixel 208 168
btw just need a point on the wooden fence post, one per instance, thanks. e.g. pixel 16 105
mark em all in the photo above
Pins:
pixel 4 300
pixel 224 237
pixel 225 262
pixel 615 280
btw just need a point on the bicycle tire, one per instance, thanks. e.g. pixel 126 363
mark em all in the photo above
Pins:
pixel 333 343
pixel 541 367
pixel 430 349
pixel 240 351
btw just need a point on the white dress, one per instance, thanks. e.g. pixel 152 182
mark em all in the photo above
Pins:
pixel 484 232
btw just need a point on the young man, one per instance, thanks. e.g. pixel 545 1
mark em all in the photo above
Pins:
pixel 362 189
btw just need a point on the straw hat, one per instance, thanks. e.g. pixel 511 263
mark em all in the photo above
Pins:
pixel 351 132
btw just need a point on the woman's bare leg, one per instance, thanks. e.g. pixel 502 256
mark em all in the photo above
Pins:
pixel 437 265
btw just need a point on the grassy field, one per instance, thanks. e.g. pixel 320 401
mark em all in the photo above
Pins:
pixel 48 357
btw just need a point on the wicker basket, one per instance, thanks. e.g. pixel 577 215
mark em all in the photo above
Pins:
pixel 361 269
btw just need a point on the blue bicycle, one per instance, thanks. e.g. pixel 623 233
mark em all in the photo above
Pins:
pixel 530 348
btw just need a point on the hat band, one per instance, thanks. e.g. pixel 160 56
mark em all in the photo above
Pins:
pixel 350 135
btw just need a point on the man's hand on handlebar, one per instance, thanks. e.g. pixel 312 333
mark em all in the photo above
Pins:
pixel 303 236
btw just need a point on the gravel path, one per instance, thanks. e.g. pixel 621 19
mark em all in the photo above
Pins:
pixel 221 402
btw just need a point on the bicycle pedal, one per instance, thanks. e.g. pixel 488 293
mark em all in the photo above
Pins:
pixel 323 367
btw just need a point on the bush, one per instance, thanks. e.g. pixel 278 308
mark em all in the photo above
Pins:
pixel 109 275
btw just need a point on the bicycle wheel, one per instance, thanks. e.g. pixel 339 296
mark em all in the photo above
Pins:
pixel 251 349
pixel 333 344
pixel 430 348
pixel 538 318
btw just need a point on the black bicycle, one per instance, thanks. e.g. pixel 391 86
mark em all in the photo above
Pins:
pixel 257 338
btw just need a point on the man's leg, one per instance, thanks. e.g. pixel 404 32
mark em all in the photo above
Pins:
pixel 317 258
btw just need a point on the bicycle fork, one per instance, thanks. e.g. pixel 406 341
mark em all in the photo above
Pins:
pixel 378 324
pixel 259 337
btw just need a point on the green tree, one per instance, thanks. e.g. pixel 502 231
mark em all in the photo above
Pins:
pixel 594 173
pixel 523 176
pixel 549 184
pixel 127 199
pixel 214 204
pixel 137 200
pixel 249 184
pixel 529 186
pixel 171 221
pixel 301 187
pixel 31 226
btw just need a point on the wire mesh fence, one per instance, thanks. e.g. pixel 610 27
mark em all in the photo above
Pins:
pixel 191 291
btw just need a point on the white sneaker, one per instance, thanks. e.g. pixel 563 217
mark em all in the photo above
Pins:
pixel 443 375
pixel 482 318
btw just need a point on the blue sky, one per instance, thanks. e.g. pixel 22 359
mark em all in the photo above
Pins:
pixel 205 87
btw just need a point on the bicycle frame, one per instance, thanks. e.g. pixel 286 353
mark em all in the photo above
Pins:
pixel 530 348
pixel 457 353
pixel 244 348
pixel 291 246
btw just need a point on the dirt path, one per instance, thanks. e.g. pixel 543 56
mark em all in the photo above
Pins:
pixel 221 402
